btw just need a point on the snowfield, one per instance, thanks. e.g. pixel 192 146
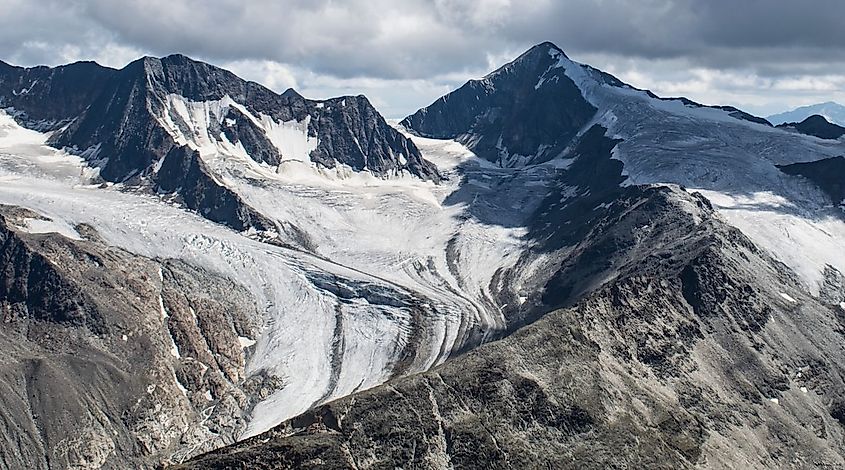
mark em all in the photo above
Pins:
pixel 380 280
pixel 730 161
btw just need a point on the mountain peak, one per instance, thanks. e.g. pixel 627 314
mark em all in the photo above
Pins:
pixel 816 119
pixel 547 46
pixel 497 116
pixel 291 93
pixel 177 58
pixel 539 53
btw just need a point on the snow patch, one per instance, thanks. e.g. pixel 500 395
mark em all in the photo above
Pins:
pixel 787 297
pixel 161 309
pixel 195 123
pixel 25 91
pixel 245 342
pixel 179 385
pixel 174 350
pixel 37 225
pixel 291 138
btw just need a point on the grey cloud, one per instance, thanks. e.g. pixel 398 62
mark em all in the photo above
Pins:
pixel 326 43
pixel 425 38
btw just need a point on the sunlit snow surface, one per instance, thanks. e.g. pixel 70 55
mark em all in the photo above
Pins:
pixel 391 233
pixel 731 162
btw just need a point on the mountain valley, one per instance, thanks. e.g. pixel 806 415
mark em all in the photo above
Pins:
pixel 545 268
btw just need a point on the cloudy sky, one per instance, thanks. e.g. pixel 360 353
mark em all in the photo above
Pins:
pixel 761 55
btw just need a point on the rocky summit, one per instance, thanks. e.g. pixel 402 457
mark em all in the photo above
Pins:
pixel 545 268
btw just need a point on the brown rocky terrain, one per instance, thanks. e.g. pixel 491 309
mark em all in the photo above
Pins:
pixel 112 360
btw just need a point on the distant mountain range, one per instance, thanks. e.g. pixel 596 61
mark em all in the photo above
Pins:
pixel 833 112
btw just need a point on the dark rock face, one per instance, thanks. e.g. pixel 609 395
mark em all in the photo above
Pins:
pixel 816 126
pixel 526 112
pixel 183 172
pixel 827 174
pixel 742 115
pixel 46 98
pixel 671 354
pixel 365 138
pixel 732 111
pixel 242 130
pixel 111 360
pixel 121 125
pixel 581 194
pixel 116 111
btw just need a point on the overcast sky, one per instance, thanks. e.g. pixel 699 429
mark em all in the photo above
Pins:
pixel 761 55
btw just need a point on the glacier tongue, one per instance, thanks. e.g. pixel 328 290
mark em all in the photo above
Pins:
pixel 379 277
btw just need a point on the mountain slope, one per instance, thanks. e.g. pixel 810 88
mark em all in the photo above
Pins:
pixel 833 112
pixel 653 324
pixel 691 351
pixel 567 238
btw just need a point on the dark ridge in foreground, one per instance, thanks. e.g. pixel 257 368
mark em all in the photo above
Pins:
pixel 109 358
pixel 827 174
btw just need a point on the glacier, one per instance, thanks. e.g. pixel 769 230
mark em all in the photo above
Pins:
pixel 370 277
pixel 392 279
